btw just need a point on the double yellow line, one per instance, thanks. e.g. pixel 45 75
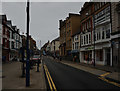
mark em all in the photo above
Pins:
pixel 102 77
pixel 105 74
pixel 50 81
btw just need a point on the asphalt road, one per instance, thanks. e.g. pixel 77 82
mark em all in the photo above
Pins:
pixel 69 78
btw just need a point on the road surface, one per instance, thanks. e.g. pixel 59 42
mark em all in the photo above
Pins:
pixel 68 78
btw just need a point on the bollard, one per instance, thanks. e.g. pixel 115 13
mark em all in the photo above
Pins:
pixel 23 70
pixel 38 65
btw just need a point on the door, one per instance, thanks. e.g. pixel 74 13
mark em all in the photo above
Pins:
pixel 108 56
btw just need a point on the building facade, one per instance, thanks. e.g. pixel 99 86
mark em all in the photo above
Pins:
pixel 95 33
pixel 32 45
pixel 68 27
pixel 115 33
pixel 16 42
pixel 76 46
pixel 86 27
pixel 11 41
pixel 102 22
pixel 5 38
pixel 62 39
pixel 72 25
pixel 55 47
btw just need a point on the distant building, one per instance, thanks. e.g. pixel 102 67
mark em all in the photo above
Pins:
pixel 76 46
pixel 48 48
pixel 55 46
pixel 68 28
pixel 11 41
pixel 43 48
pixel 16 43
pixel 62 32
pixel 72 25
pixel 5 38
pixel 32 45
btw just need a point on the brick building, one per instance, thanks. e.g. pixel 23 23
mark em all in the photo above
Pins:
pixel 5 38
pixel 86 27
pixel 68 27
pixel 11 40
pixel 62 39
pixel 95 33
pixel 72 25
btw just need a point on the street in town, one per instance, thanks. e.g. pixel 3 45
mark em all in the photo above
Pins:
pixel 84 53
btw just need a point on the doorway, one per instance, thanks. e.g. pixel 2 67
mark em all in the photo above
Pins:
pixel 108 58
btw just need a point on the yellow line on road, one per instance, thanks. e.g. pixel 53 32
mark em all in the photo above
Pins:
pixel 114 83
pixel 48 79
pixel 105 74
pixel 51 80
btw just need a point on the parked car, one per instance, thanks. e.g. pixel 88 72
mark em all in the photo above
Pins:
pixel 35 59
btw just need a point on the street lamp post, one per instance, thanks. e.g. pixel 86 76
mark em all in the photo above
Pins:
pixel 27 46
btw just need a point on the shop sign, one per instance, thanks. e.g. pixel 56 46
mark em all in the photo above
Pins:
pixel 89 48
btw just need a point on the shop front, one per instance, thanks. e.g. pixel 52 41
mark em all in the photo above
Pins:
pixel 75 55
pixel 86 54
pixel 103 54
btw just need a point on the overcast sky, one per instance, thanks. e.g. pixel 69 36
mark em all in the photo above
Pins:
pixel 44 17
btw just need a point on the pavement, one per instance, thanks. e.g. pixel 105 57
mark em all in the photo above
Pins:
pixel 13 81
pixel 97 70
pixel 64 76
